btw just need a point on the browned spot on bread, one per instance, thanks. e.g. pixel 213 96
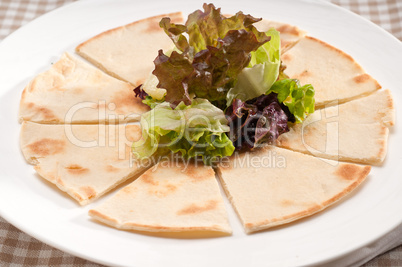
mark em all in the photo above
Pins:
pixel 78 91
pixel 140 81
pixel 153 22
pixel 250 225
pixel 65 69
pixel 127 102
pixel 148 179
pixel 57 84
pixel 60 182
pixel 30 105
pixel 366 170
pixel 88 191
pixel 362 174
pixel 192 172
pixel 163 191
pixel 23 94
pixel 47 147
pixel 171 188
pixel 129 190
pixel 282 141
pixel 100 105
pixel 46 113
pixel 133 133
pixel 305 73
pixel 381 153
pixel 110 168
pixel 32 85
pixel 175 17
pixel 384 130
pixel 78 197
pixel 76 169
pixel 348 171
pixel 198 173
pixel 286 57
pixel 287 202
pixel 289 29
pixel 390 100
pixel 286 45
pixel 195 209
pixel 153 25
pixel 361 78
pixel 60 88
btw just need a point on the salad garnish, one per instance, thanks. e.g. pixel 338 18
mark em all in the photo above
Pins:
pixel 219 66
pixel 198 129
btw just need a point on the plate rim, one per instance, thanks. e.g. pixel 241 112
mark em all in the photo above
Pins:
pixel 82 255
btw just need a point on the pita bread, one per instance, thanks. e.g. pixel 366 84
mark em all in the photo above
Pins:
pixel 334 74
pixel 169 197
pixel 290 34
pixel 274 186
pixel 128 52
pixel 85 161
pixel 73 91
pixel 355 131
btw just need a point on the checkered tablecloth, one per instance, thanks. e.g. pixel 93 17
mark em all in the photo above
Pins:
pixel 19 249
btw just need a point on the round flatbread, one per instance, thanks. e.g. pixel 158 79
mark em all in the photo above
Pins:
pixel 336 76
pixel 85 161
pixel 173 196
pixel 273 186
pixel 128 52
pixel 74 92
pixel 356 131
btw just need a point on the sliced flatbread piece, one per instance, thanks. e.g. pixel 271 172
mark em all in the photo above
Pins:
pixel 290 34
pixel 334 74
pixel 128 52
pixel 273 186
pixel 85 161
pixel 73 91
pixel 355 131
pixel 169 197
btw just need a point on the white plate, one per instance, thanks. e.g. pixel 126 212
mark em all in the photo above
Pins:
pixel 39 209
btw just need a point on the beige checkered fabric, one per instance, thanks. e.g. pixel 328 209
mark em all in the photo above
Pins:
pixel 19 249
pixel 390 258
pixel 16 13
pixel 386 13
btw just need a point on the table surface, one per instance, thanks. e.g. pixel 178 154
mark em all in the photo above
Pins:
pixel 20 249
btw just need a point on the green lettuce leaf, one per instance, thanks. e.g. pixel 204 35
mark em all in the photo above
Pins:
pixel 205 28
pixel 209 73
pixel 299 99
pixel 151 102
pixel 175 32
pixel 263 70
pixel 197 130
